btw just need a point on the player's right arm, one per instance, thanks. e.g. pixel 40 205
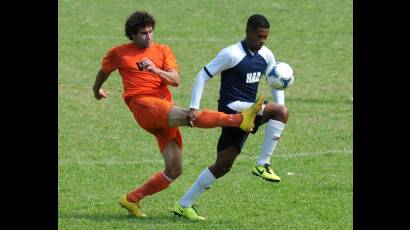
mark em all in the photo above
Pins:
pixel 109 64
pixel 221 62
pixel 197 90
pixel 99 81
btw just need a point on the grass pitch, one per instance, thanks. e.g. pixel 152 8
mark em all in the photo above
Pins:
pixel 103 153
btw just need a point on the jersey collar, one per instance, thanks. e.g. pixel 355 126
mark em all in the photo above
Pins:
pixel 247 51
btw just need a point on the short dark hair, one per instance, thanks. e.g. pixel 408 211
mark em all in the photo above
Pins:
pixel 138 19
pixel 257 21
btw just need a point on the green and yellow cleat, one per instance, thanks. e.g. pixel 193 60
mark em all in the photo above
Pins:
pixel 189 213
pixel 132 208
pixel 249 114
pixel 266 172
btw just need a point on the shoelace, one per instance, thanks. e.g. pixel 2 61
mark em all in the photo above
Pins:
pixel 267 168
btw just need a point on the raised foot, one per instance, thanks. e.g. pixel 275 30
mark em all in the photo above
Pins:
pixel 249 114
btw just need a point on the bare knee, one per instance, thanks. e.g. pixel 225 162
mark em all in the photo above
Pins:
pixel 172 159
pixel 277 112
pixel 224 161
pixel 173 172
pixel 282 114
pixel 177 117
pixel 220 169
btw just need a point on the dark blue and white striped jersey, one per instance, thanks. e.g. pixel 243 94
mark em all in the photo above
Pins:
pixel 240 71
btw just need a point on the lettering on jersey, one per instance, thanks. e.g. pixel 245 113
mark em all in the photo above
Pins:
pixel 253 77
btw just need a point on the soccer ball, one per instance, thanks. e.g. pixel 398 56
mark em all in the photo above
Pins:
pixel 280 75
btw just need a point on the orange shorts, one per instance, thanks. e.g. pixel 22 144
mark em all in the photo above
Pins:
pixel 151 113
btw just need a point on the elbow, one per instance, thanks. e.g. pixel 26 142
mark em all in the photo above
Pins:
pixel 172 78
pixel 173 82
pixel 176 83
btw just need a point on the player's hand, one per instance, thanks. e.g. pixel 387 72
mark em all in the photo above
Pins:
pixel 100 94
pixel 148 65
pixel 192 116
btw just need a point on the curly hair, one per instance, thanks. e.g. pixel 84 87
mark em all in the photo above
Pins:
pixel 138 19
pixel 257 21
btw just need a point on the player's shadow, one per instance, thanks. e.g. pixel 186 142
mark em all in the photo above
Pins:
pixel 101 217
pixel 149 221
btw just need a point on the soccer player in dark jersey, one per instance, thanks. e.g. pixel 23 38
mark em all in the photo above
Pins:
pixel 241 66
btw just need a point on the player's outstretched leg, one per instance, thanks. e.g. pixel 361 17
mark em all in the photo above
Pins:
pixel 249 114
pixel 189 213
pixel 266 172
pixel 132 207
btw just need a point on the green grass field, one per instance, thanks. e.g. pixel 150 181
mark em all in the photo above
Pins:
pixel 103 153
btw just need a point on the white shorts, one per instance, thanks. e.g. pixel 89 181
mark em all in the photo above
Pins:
pixel 238 106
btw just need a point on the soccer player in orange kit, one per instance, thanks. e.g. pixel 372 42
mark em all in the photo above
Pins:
pixel 146 69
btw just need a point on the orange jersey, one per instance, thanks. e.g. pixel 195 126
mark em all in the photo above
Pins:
pixel 139 82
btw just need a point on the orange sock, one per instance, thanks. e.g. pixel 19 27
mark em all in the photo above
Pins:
pixel 156 183
pixel 212 119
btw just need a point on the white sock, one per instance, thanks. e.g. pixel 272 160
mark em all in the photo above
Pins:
pixel 272 135
pixel 204 181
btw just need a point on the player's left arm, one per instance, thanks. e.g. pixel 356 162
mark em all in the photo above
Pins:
pixel 170 76
pixel 278 95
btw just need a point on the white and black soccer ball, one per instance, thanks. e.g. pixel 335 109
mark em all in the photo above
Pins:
pixel 280 75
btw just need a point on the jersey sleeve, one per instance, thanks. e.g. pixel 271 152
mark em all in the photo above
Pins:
pixel 198 88
pixel 278 96
pixel 270 62
pixel 170 61
pixel 109 62
pixel 221 62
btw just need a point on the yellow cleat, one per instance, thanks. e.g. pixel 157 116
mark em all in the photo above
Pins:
pixel 266 172
pixel 132 208
pixel 189 213
pixel 249 114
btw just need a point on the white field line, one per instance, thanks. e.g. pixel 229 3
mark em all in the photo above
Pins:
pixel 109 162
pixel 161 39
pixel 107 37
pixel 320 153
